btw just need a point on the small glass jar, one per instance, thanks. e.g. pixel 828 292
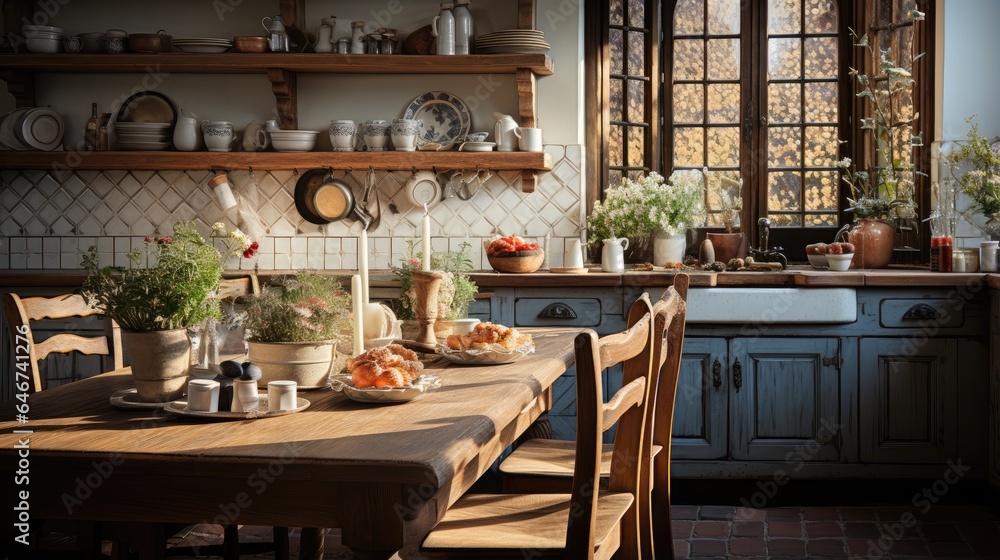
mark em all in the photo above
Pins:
pixel 344 45
pixel 373 43
pixel 988 256
pixel 388 45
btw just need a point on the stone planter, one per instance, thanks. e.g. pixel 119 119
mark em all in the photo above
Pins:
pixel 160 362
pixel 308 364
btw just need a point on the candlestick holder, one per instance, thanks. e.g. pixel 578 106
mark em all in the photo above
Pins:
pixel 426 285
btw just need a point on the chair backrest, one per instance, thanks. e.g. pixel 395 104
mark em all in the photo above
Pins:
pixel 20 312
pixel 632 348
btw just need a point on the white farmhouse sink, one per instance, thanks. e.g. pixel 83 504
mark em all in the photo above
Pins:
pixel 772 305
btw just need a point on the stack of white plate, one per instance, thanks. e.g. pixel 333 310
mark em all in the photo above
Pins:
pixel 205 45
pixel 31 128
pixel 143 136
pixel 525 41
pixel 293 140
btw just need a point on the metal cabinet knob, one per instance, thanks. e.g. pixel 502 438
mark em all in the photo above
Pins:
pixel 920 311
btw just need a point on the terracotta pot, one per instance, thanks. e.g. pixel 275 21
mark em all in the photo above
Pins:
pixel 873 241
pixel 160 362
pixel 308 364
pixel 728 246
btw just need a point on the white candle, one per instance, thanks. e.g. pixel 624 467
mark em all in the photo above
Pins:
pixel 359 313
pixel 426 246
pixel 363 264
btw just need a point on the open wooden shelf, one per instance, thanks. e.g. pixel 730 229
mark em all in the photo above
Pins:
pixel 528 163
pixel 250 63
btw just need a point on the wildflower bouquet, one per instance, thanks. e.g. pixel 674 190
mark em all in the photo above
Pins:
pixel 980 177
pixel 456 290
pixel 650 206
pixel 304 307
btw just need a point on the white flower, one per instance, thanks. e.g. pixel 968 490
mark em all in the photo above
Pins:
pixel 219 227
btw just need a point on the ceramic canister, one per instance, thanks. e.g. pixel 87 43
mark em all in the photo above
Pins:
pixel 376 135
pixel 404 134
pixel 342 134
pixel 218 135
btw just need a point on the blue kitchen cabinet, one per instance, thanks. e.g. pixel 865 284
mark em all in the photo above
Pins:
pixel 701 406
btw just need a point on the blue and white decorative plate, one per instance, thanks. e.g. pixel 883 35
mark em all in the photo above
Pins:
pixel 445 117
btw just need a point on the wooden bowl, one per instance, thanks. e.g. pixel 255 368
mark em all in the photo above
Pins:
pixel 519 262
pixel 250 44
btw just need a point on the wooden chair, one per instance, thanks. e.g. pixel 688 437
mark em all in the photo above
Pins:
pixel 586 523
pixel 546 465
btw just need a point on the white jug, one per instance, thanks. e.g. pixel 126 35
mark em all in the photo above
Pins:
pixel 443 28
pixel 324 37
pixel 505 132
pixel 187 133
pixel 613 254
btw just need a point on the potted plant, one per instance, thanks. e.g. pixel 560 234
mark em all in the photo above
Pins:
pixel 293 326
pixel 455 293
pixel 650 212
pixel 731 244
pixel 167 288
pixel 979 160
pixel 882 198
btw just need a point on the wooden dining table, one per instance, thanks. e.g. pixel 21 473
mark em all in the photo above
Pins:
pixel 384 474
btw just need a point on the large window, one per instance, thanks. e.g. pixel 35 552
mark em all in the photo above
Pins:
pixel 754 90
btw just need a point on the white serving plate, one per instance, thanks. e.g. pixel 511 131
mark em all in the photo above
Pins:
pixel 41 128
pixel 385 395
pixel 143 146
pixel 518 50
pixel 7 134
pixel 476 146
pixel 202 48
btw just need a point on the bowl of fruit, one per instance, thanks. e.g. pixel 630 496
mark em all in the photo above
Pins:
pixel 514 255
pixel 830 255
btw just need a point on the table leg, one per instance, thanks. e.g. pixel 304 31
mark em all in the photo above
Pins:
pixel 311 543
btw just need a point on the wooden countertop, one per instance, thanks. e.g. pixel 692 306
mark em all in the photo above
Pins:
pixel 796 275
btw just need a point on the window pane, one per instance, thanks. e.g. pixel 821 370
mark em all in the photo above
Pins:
pixel 617 10
pixel 689 103
pixel 784 59
pixel 636 101
pixel 724 59
pixel 636 13
pixel 636 146
pixel 636 53
pixel 616 146
pixel 784 191
pixel 784 16
pixel 785 220
pixel 689 147
pixel 724 147
pixel 784 147
pixel 616 98
pixel 614 177
pixel 689 59
pixel 689 17
pixel 724 103
pixel 821 102
pixel 821 16
pixel 723 17
pixel 784 103
pixel 821 146
pixel 820 220
pixel 713 193
pixel 616 47
pixel 821 57
pixel 821 190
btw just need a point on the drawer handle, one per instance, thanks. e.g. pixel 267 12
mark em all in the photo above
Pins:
pixel 737 375
pixel 717 374
pixel 920 311
pixel 557 311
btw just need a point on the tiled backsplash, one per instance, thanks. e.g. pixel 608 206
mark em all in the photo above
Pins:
pixel 49 219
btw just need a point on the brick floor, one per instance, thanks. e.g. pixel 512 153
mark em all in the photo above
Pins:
pixel 955 532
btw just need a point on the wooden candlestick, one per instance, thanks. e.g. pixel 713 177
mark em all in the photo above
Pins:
pixel 426 284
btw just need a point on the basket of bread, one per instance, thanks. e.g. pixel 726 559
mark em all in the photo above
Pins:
pixel 487 344
pixel 385 374
pixel 514 255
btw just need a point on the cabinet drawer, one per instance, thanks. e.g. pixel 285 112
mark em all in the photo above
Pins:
pixel 912 313
pixel 549 312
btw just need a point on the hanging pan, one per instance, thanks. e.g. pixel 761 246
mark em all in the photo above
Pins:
pixel 321 199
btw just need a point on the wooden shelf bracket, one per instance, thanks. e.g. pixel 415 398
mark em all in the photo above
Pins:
pixel 283 86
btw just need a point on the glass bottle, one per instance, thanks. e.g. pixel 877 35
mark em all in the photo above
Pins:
pixel 357 37
pixel 90 131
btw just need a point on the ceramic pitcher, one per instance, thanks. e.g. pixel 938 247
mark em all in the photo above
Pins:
pixel 187 136
pixel 613 254
pixel 505 132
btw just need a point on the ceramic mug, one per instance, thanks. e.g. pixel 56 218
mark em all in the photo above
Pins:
pixel 218 135
pixel 342 134
pixel 114 45
pixel 404 134
pixel 528 139
pixel 375 135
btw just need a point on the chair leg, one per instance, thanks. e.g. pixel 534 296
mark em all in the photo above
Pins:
pixel 281 543
pixel 231 542
pixel 311 543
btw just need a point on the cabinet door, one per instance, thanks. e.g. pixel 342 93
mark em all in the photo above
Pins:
pixel 908 400
pixel 785 395
pixel 702 401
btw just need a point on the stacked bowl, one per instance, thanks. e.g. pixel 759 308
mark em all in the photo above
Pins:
pixel 293 140
pixel 143 136
pixel 42 38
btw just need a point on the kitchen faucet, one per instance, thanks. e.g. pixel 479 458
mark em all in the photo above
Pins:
pixel 764 254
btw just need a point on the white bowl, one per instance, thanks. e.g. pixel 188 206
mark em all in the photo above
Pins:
pixel 818 261
pixel 43 45
pixel 42 35
pixel 295 134
pixel 29 29
pixel 295 145
pixel 840 263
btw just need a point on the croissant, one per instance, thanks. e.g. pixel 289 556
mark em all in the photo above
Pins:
pixel 388 366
